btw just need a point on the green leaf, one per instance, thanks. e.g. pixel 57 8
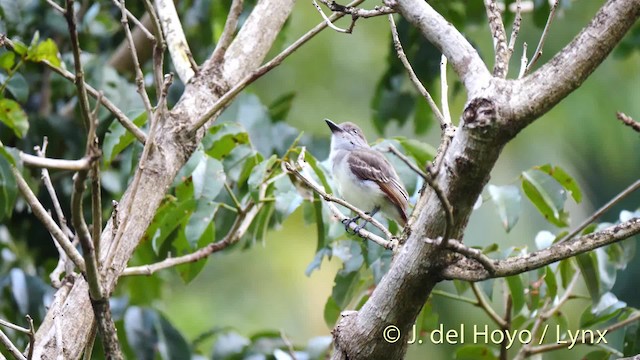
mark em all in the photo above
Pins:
pixel 547 196
pixel 516 289
pixel 223 138
pixel 350 252
pixel 7 60
pixel 606 309
pixel 12 115
pixel 208 179
pixel 631 339
pixel 190 270
pixel 564 179
pixel 150 334
pixel 280 107
pixel 319 221
pixel 317 260
pixel 597 355
pixel 18 87
pixel 19 47
pixel 46 50
pixel 319 172
pixel 118 138
pixel 507 200
pixel 421 152
pixel 475 352
pixel 8 186
pixel 259 174
pixel 331 312
pixel 588 265
pixel 566 272
pixel 169 217
pixel 552 284
pixel 345 287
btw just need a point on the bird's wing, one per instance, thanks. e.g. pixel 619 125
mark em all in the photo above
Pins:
pixel 369 164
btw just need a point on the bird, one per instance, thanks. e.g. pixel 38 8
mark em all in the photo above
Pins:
pixel 364 177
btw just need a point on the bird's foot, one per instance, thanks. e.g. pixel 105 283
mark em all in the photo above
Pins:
pixel 347 223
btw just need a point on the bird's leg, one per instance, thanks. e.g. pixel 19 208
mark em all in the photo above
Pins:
pixel 348 222
pixel 372 213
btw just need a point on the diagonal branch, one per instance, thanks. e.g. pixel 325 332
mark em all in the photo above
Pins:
pixel 176 40
pixel 47 220
pixel 499 35
pixel 464 270
pixel 117 113
pixel 387 244
pixel 441 33
pixel 535 94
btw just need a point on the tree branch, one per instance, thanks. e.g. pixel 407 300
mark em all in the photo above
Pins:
pixel 545 32
pixel 47 220
pixel 463 57
pixel 172 147
pixel 412 75
pixel 559 251
pixel 387 244
pixel 228 96
pixel 117 113
pixel 535 94
pixel 55 164
pixel 628 120
pixel 238 229
pixel 176 40
pixel 499 35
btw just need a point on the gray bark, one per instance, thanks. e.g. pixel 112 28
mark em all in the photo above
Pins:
pixel 70 317
pixel 496 111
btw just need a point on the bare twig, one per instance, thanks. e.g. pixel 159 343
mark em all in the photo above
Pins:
pixel 229 30
pixel 56 7
pixel 332 199
pixel 136 64
pixel 83 99
pixel 287 342
pixel 329 22
pixel 137 22
pixel 471 253
pixel 556 252
pixel 13 326
pixel 482 302
pixel 507 319
pixel 256 74
pixel 412 75
pixel 523 61
pixel 444 91
pixel 355 13
pixel 238 229
pixel 63 258
pixel 545 32
pixel 159 46
pixel 623 194
pixel 117 113
pixel 499 35
pixel 55 164
pixel 32 337
pixel 47 220
pixel 628 120
pixel 587 339
pixel 515 29
pixel 181 55
pixel 13 350
pixel 567 294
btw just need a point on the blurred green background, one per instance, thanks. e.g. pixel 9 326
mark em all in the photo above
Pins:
pixel 334 76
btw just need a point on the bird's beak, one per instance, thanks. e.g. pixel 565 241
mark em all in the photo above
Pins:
pixel 333 126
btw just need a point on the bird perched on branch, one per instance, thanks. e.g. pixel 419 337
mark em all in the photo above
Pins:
pixel 364 177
